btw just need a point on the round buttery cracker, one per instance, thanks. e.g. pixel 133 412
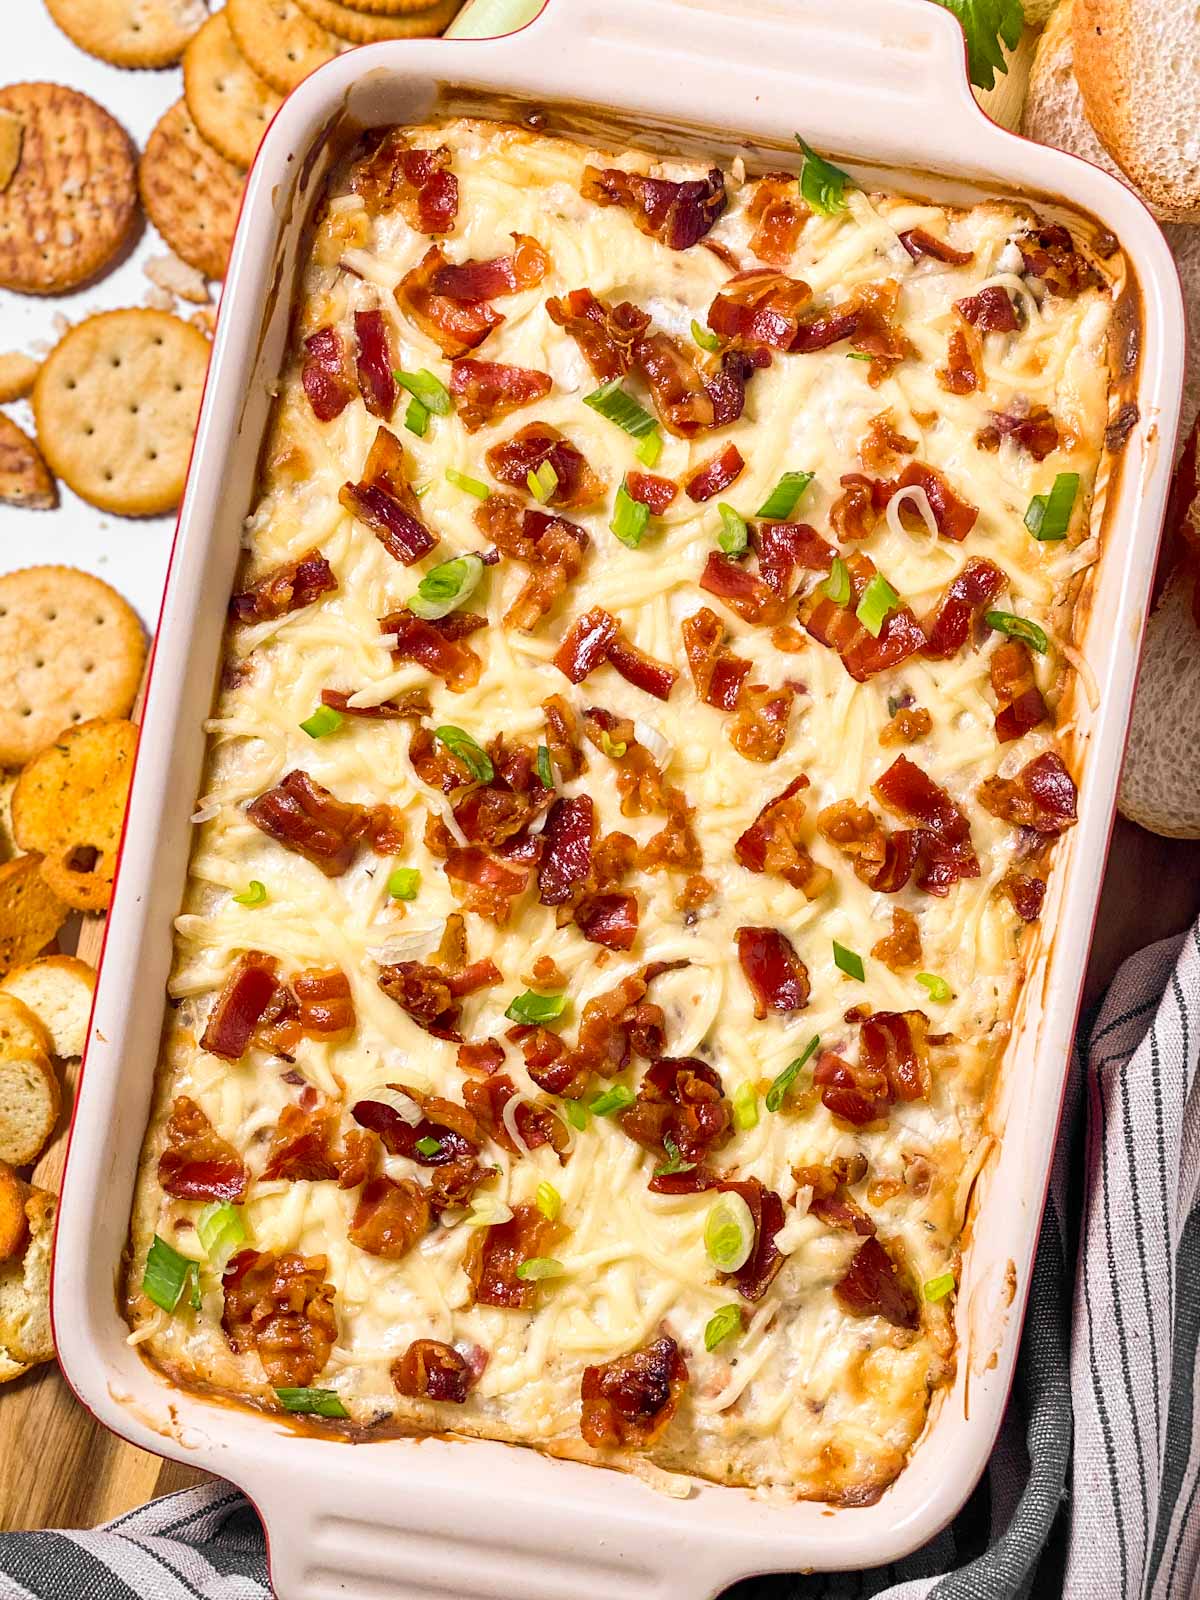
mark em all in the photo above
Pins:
pixel 73 199
pixel 229 103
pixel 191 194
pixel 24 477
pixel 388 8
pixel 360 28
pixel 116 404
pixel 279 41
pixel 70 649
pixel 17 372
pixel 69 806
pixel 130 33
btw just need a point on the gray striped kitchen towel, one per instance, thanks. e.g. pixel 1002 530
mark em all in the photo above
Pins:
pixel 1093 1492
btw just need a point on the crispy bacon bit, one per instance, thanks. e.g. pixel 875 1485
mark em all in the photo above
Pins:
pixel 374 363
pixel 302 1150
pixel 780 214
pixel 472 281
pixel 430 1370
pixel 640 669
pixel 495 1253
pixel 856 1093
pixel 716 672
pixel 990 311
pixel 304 817
pixel 1049 253
pixel 452 1127
pixel 430 995
pixel 1041 796
pixel 281 1307
pixel 286 589
pixel 1036 432
pixel 197 1164
pixel 856 512
pixel 717 473
pixel 883 861
pixel 628 1403
pixel 551 545
pixel 483 885
pixel 562 738
pixel 240 1005
pixel 383 500
pixel 677 845
pixel 777 977
pixel 677 214
pixel 639 781
pixel 945 836
pixel 454 326
pixel 1026 893
pixel 873 1286
pixel 615 1026
pixel 537 1125
pixel 605 334
pixel 882 443
pixel 485 390
pixel 893 1044
pixel 681 399
pixel 652 491
pixel 741 590
pixel 876 331
pixel 325 374
pixel 1019 703
pixel 411 705
pixel 900 950
pixel 569 836
pixel 960 375
pixel 760 307
pixel 391 1218
pixel 325 1004
pixel 784 547
pixel 680 1101
pixel 727 390
pixel 909 725
pixel 536 444
pixel 485 1057
pixel 756 1275
pixel 759 728
pixel 863 654
pixel 819 331
pixel 954 517
pixel 948 625
pixel 918 242
pixel 495 812
pixel 586 644
pixel 609 919
pixel 829 1201
pixel 418 182
pixel 437 646
pixel 772 843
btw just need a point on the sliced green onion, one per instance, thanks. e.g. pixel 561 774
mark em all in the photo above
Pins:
pixel 428 1146
pixel 879 600
pixel 445 587
pixel 416 418
pixel 724 1321
pixel 1049 515
pixel 421 489
pixel 858 355
pixel 613 748
pixel 488 1212
pixel 1018 628
pixel 674 1161
pixel 404 882
pixel 848 961
pixel 939 989
pixel 938 1288
pixel 649 449
pixel 220 1228
pixel 459 743
pixel 576 1114
pixel 785 496
pixel 837 585
pixel 324 721
pixel 614 1099
pixel 539 1267
pixel 745 1106
pixel 630 517
pixel 542 481
pixel 729 1232
pixel 254 894
pixel 545 767
pixel 168 1274
pixel 428 390
pixel 549 1201
pixel 821 183
pixel 533 1009
pixel 734 536
pixel 459 480
pixel 611 401
pixel 777 1093
pixel 312 1402
pixel 705 337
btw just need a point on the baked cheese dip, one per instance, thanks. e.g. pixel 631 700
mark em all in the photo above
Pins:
pixel 638 759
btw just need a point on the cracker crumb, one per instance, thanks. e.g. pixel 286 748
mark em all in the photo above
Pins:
pixel 177 278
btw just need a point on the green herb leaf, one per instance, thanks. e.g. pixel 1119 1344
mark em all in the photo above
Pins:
pixel 848 962
pixel 542 481
pixel 724 1321
pixel 729 1232
pixel 312 1402
pixel 324 721
pixel 614 1099
pixel 837 585
pixel 878 602
pixel 939 989
pixel 221 1229
pixel 549 1201
pixel 785 496
pixel 445 587
pixel 254 894
pixel 168 1274
pixel 611 401
pixel 459 743
pixel 649 449
pixel 428 1146
pixel 416 418
pixel 938 1288
pixel 630 517
pixel 674 1161
pixel 428 390
pixel 576 1114
pixel 459 480
pixel 539 1267
pixel 734 537
pixel 777 1093
pixel 537 1009
pixel 745 1106
pixel 705 337
pixel 822 184
pixel 545 767
pixel 1018 628
pixel 1049 515
pixel 987 23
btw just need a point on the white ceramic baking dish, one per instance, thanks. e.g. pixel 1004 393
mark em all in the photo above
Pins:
pixel 880 85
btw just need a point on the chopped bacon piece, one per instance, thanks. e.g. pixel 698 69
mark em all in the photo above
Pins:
pixel 494 1254
pixel 281 1307
pixel 760 307
pixel 772 843
pixel 680 1101
pixel 1041 796
pixel 830 1202
pixel 989 311
pixel 681 399
pixel 863 654
pixel 782 547
pixel 819 331
pixel 431 1370
pixel 569 836
pixel 452 1127
pixel 900 950
pixel 411 705
pixel 716 672
pixel 197 1164
pixel 553 546
pixel 424 993
pixel 437 646
pixel 909 725
pixel 717 473
pixel 536 444
pixel 780 214
pixel 562 738
pixel 1026 893
pixel 628 1403
pixel 240 1005
pixel 615 1026
pixel 391 1218
pixel 876 332
pixel 640 669
pixel 325 1004
pixel 893 1044
pixel 483 885
pixel 727 390
pixel 586 644
pixel 304 817
pixel 286 589
pixel 515 796
pixel 652 491
pixel 639 781
pixel 946 851
pixel 456 327
pixel 485 1056
pixel 375 364
pixel 948 625
pixel 473 281
pixel 418 182
pixel 1019 703
pixel 326 374
pixel 537 1125
pixel 485 390
pixel 741 590
pixel 954 517
pixel 677 214
pixel 609 919
pixel 918 242
pixel 757 1273
pixel 1049 253
pixel 856 1093
pixel 883 861
pixel 961 374
pixel 676 846
pixel 759 727
pixel 605 334
pixel 1036 432
pixel 777 977
pixel 856 512
pixel 882 443
pixel 302 1149
pixel 873 1286
pixel 383 500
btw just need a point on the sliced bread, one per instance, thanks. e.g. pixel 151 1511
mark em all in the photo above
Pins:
pixel 30 1100
pixel 58 990
pixel 14 1229
pixel 25 1287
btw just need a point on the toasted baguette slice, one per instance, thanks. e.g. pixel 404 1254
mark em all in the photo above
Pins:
pixel 30 1100
pixel 14 1229
pixel 1139 69
pixel 11 1368
pixel 58 990
pixel 1160 784
pixel 25 1287
pixel 1038 11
